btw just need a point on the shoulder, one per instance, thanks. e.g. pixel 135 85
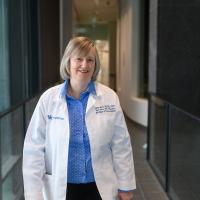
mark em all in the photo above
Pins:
pixel 48 100
pixel 106 93
pixel 52 93
pixel 104 90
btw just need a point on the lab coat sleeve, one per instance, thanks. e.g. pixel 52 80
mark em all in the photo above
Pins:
pixel 122 153
pixel 33 155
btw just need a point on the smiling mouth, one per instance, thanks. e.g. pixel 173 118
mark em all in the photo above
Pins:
pixel 83 71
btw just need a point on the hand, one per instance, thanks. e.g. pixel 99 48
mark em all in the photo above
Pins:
pixel 125 195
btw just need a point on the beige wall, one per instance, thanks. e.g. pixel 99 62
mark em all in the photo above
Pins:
pixel 128 61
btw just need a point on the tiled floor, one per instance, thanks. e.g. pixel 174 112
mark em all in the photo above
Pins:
pixel 148 187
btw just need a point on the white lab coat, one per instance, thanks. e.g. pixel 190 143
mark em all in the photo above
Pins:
pixel 46 145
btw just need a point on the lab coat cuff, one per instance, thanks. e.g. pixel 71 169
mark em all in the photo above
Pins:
pixel 119 190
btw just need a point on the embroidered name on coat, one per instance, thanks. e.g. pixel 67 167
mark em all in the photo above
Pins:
pixel 105 108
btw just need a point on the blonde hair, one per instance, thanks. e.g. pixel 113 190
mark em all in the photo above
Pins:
pixel 80 46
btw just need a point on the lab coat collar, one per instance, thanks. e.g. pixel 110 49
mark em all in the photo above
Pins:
pixel 91 88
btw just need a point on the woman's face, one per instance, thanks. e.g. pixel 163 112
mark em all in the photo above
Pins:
pixel 82 67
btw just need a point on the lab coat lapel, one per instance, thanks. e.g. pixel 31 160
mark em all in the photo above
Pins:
pixel 93 98
pixel 91 102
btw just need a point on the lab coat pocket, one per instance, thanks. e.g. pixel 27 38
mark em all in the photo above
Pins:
pixel 48 187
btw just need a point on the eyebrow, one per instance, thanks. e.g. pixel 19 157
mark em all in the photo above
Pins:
pixel 90 56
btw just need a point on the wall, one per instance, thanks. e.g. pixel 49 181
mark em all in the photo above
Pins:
pixel 49 19
pixel 174 95
pixel 128 61
pixel 174 53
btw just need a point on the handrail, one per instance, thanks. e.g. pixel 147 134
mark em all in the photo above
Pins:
pixel 14 107
pixel 173 106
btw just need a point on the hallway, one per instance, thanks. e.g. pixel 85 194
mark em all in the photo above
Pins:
pixel 148 187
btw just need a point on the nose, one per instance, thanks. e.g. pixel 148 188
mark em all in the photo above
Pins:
pixel 84 63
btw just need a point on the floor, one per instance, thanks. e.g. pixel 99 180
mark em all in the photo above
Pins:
pixel 148 187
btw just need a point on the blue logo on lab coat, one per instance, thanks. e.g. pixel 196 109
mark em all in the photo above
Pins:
pixel 50 117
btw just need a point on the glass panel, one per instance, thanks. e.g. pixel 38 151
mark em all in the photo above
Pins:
pixel 158 137
pixel 11 128
pixel 185 156
pixel 33 54
pixel 12 187
pixel 4 64
pixel 17 51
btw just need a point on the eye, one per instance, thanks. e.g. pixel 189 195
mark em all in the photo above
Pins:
pixel 79 59
pixel 90 60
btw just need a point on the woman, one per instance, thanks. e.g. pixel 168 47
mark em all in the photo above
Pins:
pixel 77 145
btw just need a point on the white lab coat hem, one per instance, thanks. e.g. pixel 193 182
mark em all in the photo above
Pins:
pixel 31 196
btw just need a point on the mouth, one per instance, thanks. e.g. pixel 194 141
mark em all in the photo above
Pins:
pixel 83 71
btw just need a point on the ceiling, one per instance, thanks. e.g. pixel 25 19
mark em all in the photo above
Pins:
pixel 95 11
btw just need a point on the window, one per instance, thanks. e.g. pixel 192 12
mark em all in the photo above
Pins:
pixel 4 55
